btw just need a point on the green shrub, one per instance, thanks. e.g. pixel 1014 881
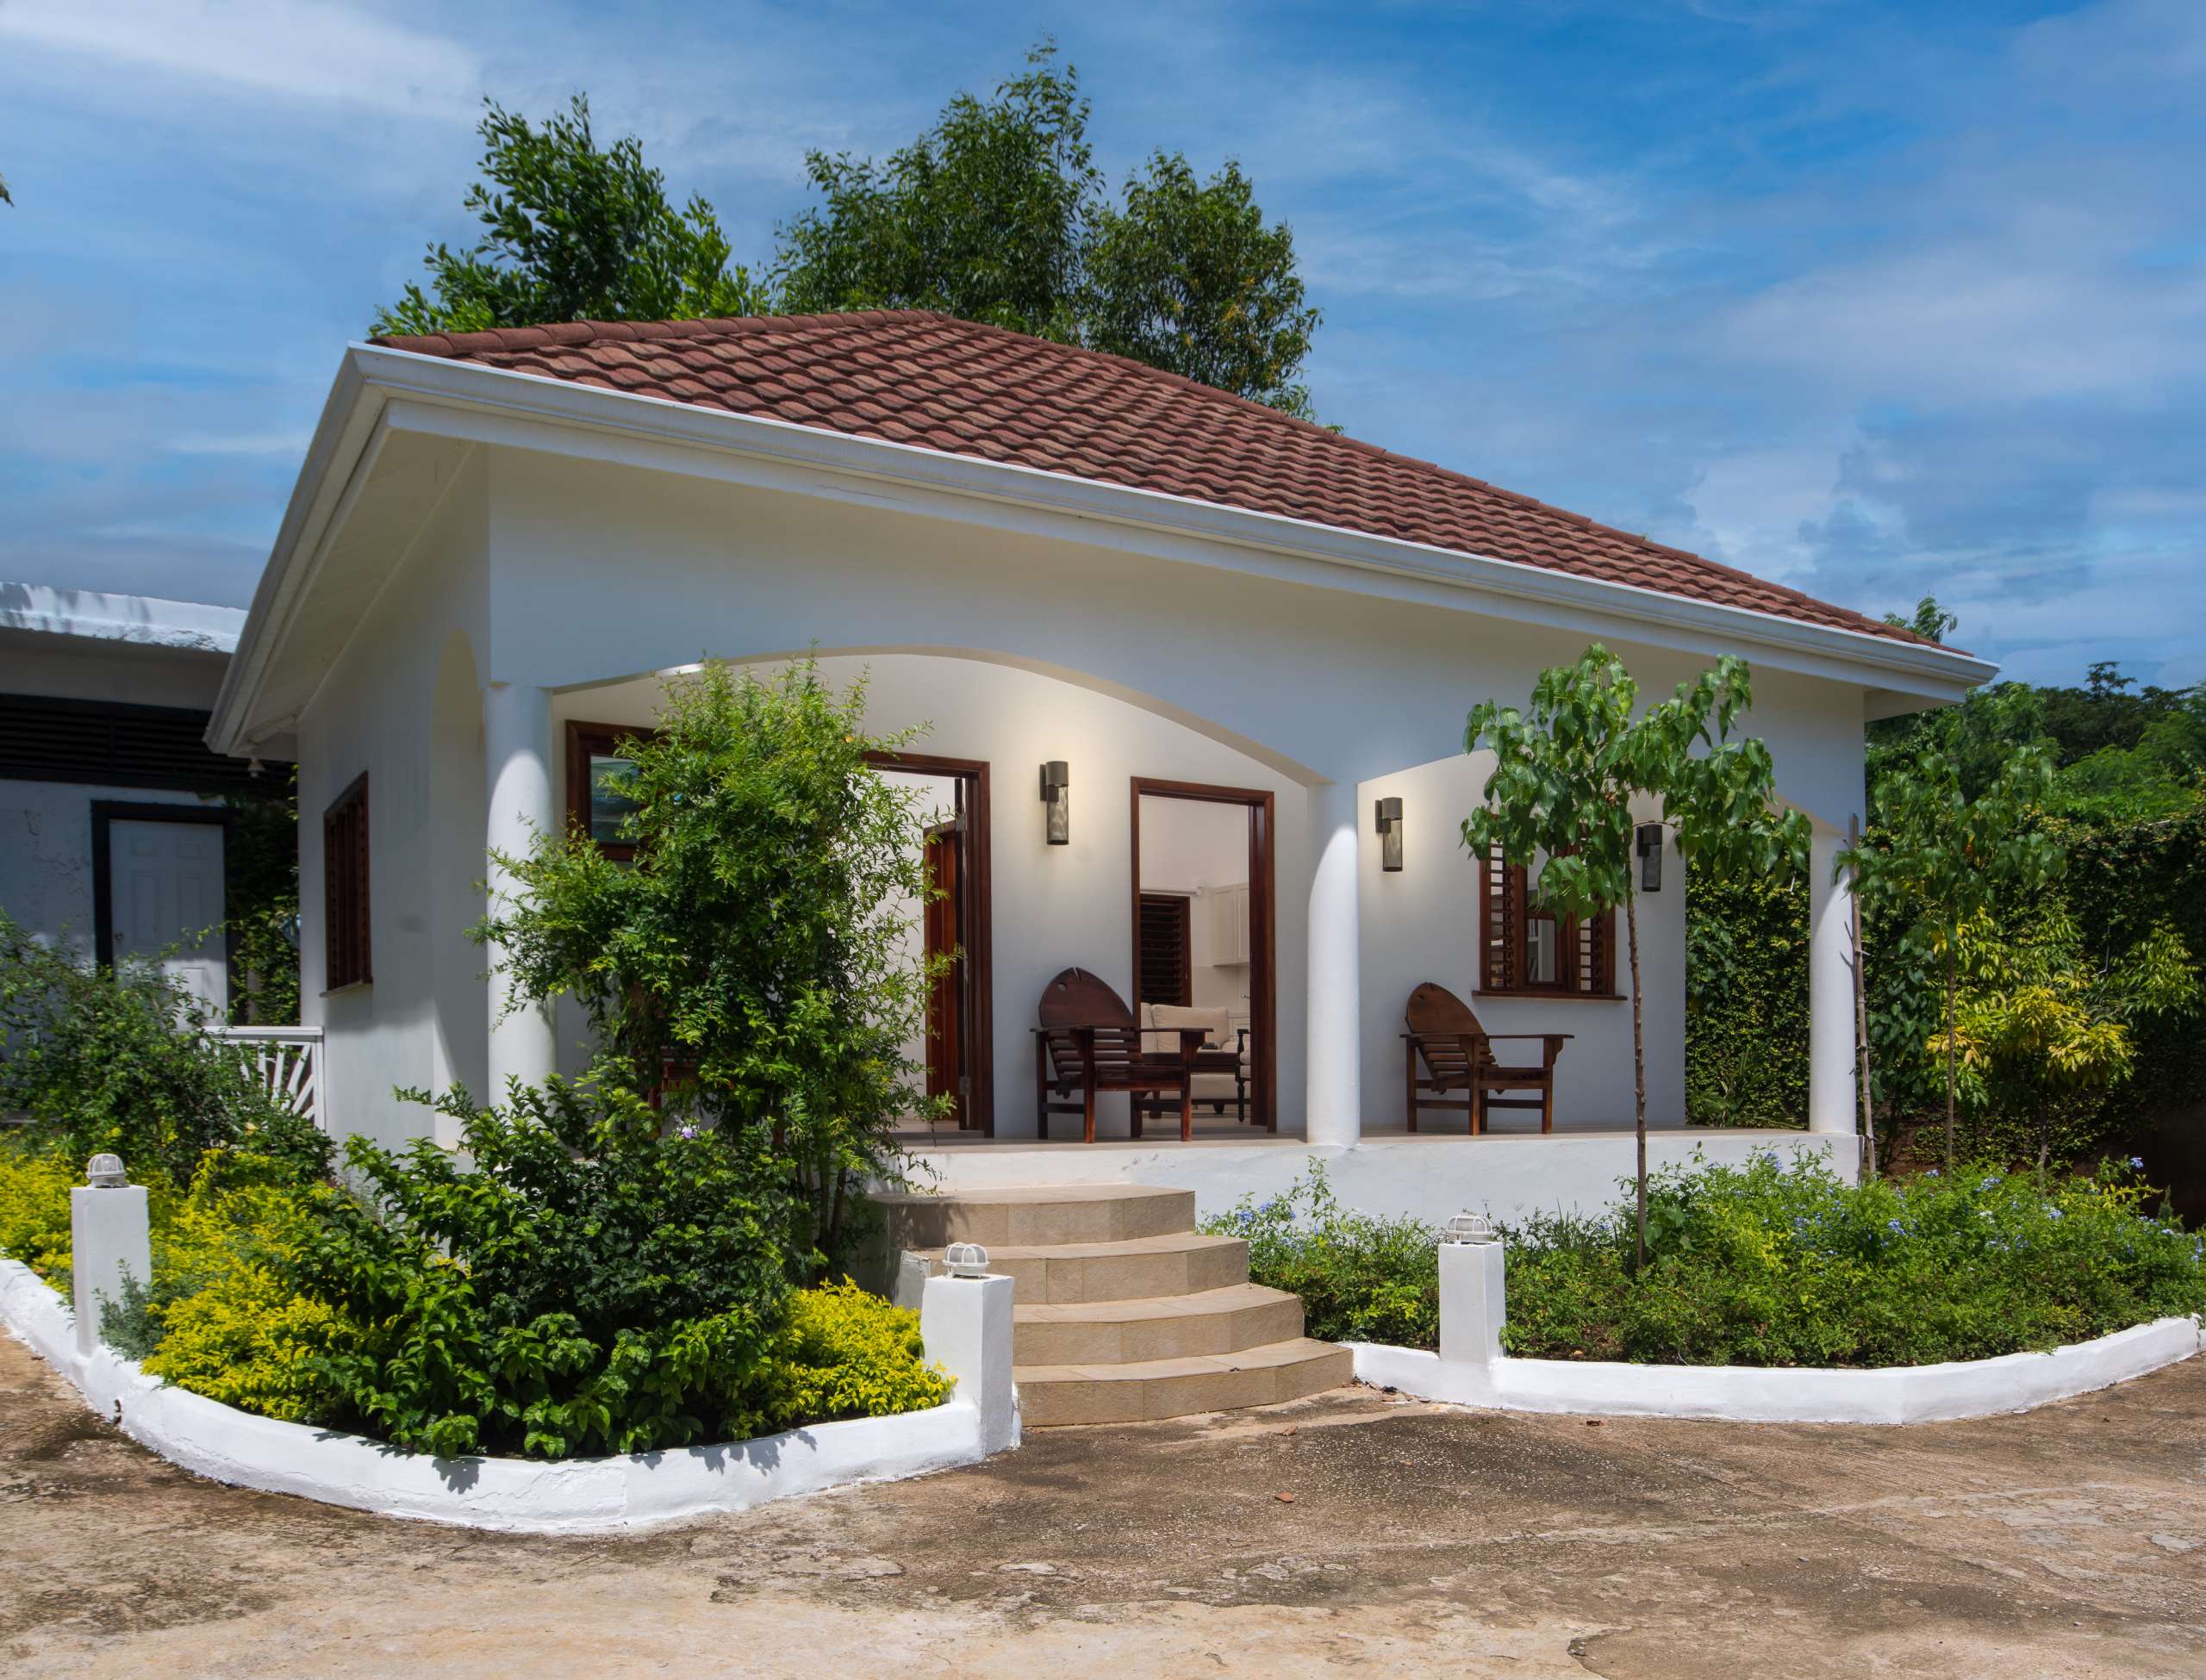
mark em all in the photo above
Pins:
pixel 34 1185
pixel 1774 1263
pixel 591 1283
pixel 115 1059
pixel 843 1352
pixel 1361 1278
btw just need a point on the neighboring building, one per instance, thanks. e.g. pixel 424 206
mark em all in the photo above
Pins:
pixel 500 542
pixel 112 816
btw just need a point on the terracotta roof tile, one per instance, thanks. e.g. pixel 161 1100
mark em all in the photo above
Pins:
pixel 908 375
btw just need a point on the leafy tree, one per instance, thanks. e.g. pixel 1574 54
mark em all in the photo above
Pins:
pixel 574 232
pixel 1187 278
pixel 1564 781
pixel 1939 859
pixel 996 215
pixel 756 945
pixel 981 217
pixel 2043 1027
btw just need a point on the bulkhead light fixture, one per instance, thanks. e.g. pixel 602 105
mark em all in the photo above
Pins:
pixel 1057 780
pixel 1388 815
pixel 1650 857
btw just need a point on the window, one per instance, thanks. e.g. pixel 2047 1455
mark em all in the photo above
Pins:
pixel 1166 975
pixel 595 768
pixel 1523 950
pixel 345 889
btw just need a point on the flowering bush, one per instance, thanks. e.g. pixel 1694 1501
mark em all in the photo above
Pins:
pixel 1361 1278
pixel 1777 1262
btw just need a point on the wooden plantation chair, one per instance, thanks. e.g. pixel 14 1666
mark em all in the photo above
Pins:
pixel 1089 1040
pixel 1458 1056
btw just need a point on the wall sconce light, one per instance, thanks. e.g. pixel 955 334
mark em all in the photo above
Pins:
pixel 1056 779
pixel 1650 857
pixel 1388 815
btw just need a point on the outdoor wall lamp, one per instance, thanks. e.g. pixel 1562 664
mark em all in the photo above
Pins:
pixel 1650 857
pixel 1388 815
pixel 1056 779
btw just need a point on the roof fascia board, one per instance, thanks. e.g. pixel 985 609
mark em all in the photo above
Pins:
pixel 1933 673
pixel 338 461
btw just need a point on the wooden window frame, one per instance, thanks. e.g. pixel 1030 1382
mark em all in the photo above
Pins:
pixel 348 924
pixel 1585 951
pixel 584 739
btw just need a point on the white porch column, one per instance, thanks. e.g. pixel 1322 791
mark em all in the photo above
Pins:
pixel 1333 1046
pixel 1833 1103
pixel 517 757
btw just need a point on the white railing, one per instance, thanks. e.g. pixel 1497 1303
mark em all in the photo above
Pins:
pixel 286 1061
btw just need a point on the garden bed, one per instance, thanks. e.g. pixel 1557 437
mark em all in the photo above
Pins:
pixel 575 1496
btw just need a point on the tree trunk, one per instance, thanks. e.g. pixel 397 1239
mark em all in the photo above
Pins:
pixel 1862 1015
pixel 1638 1068
pixel 1953 985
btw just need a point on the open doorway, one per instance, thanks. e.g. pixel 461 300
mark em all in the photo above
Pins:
pixel 959 1049
pixel 1204 940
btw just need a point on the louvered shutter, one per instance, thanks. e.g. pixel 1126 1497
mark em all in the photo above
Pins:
pixel 1501 923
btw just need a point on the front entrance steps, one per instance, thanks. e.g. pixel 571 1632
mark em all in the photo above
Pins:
pixel 1123 1311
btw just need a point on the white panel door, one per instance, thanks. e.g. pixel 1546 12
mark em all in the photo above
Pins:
pixel 165 886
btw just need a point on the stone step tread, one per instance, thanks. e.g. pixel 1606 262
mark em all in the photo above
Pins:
pixel 1235 1297
pixel 1169 1243
pixel 1272 1355
pixel 1027 1195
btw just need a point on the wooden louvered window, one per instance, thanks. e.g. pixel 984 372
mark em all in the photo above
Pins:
pixel 346 951
pixel 1523 950
pixel 1167 971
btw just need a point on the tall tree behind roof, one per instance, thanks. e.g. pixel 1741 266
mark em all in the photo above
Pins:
pixel 574 232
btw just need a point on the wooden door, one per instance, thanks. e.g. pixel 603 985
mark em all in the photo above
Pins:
pixel 166 887
pixel 949 1015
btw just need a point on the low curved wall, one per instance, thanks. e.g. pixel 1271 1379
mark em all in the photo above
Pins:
pixel 573 1496
pixel 1750 1394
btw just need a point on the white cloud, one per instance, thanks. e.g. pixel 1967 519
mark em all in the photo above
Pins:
pixel 313 53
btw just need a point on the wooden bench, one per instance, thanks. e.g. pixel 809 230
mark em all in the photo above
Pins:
pixel 1089 1041
pixel 1457 1053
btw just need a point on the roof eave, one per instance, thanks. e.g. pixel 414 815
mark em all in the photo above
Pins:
pixel 372 375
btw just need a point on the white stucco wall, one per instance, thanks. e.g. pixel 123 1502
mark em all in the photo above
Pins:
pixel 1421 923
pixel 1196 846
pixel 1053 907
pixel 580 577
pixel 376 712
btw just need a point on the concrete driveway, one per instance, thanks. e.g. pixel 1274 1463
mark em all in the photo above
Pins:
pixel 2069 1542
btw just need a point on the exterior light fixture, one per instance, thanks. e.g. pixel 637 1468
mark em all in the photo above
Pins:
pixel 104 1172
pixel 966 1259
pixel 1387 814
pixel 1472 1228
pixel 1055 780
pixel 1650 857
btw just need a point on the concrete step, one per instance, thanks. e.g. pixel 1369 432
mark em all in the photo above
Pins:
pixel 1036 1216
pixel 1051 1395
pixel 1180 1263
pixel 1217 1320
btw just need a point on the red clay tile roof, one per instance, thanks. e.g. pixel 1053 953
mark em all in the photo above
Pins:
pixel 915 378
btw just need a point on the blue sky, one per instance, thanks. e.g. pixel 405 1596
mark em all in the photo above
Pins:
pixel 1877 299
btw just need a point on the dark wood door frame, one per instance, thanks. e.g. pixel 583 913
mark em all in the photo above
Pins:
pixel 105 813
pixel 972 776
pixel 1263 941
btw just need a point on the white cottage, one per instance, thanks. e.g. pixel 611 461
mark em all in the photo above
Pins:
pixel 1195 674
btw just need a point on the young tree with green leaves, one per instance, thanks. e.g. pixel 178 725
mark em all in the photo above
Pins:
pixel 574 232
pixel 1938 859
pixel 1563 787
pixel 756 945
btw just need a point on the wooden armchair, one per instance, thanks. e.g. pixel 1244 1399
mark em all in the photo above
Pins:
pixel 1458 1056
pixel 1089 1041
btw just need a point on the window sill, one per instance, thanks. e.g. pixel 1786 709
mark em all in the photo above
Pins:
pixel 1552 996
pixel 349 987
